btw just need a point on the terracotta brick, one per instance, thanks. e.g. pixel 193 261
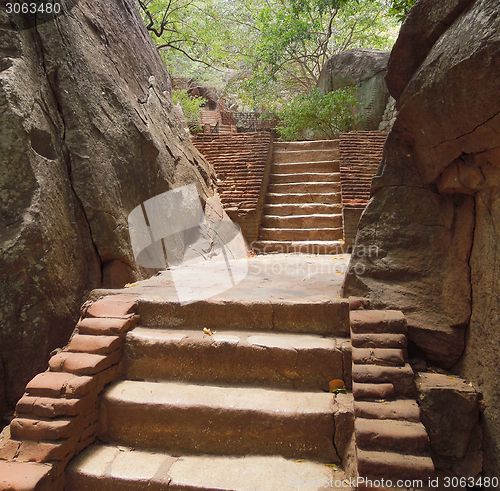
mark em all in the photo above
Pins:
pixel 9 450
pixel 96 345
pixel 378 322
pixel 45 407
pixel 83 363
pixel 90 418
pixel 358 303
pixel 108 376
pixel 382 341
pixel 90 431
pixel 402 378
pixel 37 429
pixel 376 356
pixel 112 306
pixel 85 443
pixel 59 384
pixel 107 326
pixel 372 391
pixel 44 452
pixel 17 476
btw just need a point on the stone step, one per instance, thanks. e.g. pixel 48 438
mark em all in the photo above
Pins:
pixel 305 177
pixel 300 234
pixel 109 468
pixel 377 356
pixel 378 322
pixel 402 409
pixel 312 155
pixel 298 198
pixel 402 378
pixel 305 187
pixel 303 209
pixel 303 247
pixel 394 466
pixel 302 221
pixel 372 392
pixel 330 318
pixel 328 166
pixel 399 436
pixel 307 145
pixel 382 341
pixel 200 419
pixel 289 361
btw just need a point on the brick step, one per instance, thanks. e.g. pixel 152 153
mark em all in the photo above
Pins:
pixel 194 419
pixel 303 209
pixel 402 378
pixel 305 177
pixel 399 436
pixel 376 356
pixel 302 221
pixel 306 167
pixel 303 247
pixel 292 234
pixel 378 322
pixel 402 409
pixel 373 392
pixel 394 466
pixel 313 155
pixel 289 361
pixel 382 341
pixel 109 468
pixel 330 318
pixel 307 145
pixel 298 198
pixel 305 187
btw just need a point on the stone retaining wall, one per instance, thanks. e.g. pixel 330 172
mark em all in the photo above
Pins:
pixel 242 163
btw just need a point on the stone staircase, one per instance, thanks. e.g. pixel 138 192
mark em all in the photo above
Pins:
pixel 224 395
pixel 391 442
pixel 303 210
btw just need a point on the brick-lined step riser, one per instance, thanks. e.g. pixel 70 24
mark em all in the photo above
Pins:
pixel 296 156
pixel 298 198
pixel 57 416
pixel 303 209
pixel 305 187
pixel 309 177
pixel 304 221
pixel 328 234
pixel 329 166
pixel 289 247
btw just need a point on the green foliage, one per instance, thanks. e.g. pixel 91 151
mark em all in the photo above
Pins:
pixel 191 105
pixel 318 116
pixel 400 8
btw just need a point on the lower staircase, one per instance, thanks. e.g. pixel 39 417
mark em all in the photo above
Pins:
pixel 391 443
pixel 303 208
pixel 223 396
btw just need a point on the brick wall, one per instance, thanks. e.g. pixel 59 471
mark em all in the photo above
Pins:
pixel 360 156
pixel 242 164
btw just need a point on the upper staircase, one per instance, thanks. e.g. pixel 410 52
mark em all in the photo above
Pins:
pixel 303 209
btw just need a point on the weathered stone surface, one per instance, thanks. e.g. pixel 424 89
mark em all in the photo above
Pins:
pixel 450 409
pixel 435 208
pixel 366 68
pixel 88 134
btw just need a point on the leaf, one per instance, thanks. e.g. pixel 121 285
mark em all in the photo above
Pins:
pixel 333 466
pixel 336 384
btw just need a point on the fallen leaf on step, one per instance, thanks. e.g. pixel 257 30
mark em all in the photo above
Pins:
pixel 336 385
pixel 207 331
pixel 129 285
pixel 336 467
pixel 299 461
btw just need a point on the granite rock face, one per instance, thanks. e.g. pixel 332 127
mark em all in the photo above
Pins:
pixel 434 216
pixel 365 68
pixel 88 134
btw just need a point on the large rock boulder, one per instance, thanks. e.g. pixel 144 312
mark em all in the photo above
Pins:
pixel 88 134
pixel 366 69
pixel 434 218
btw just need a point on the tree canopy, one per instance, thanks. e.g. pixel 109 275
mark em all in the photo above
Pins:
pixel 264 52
